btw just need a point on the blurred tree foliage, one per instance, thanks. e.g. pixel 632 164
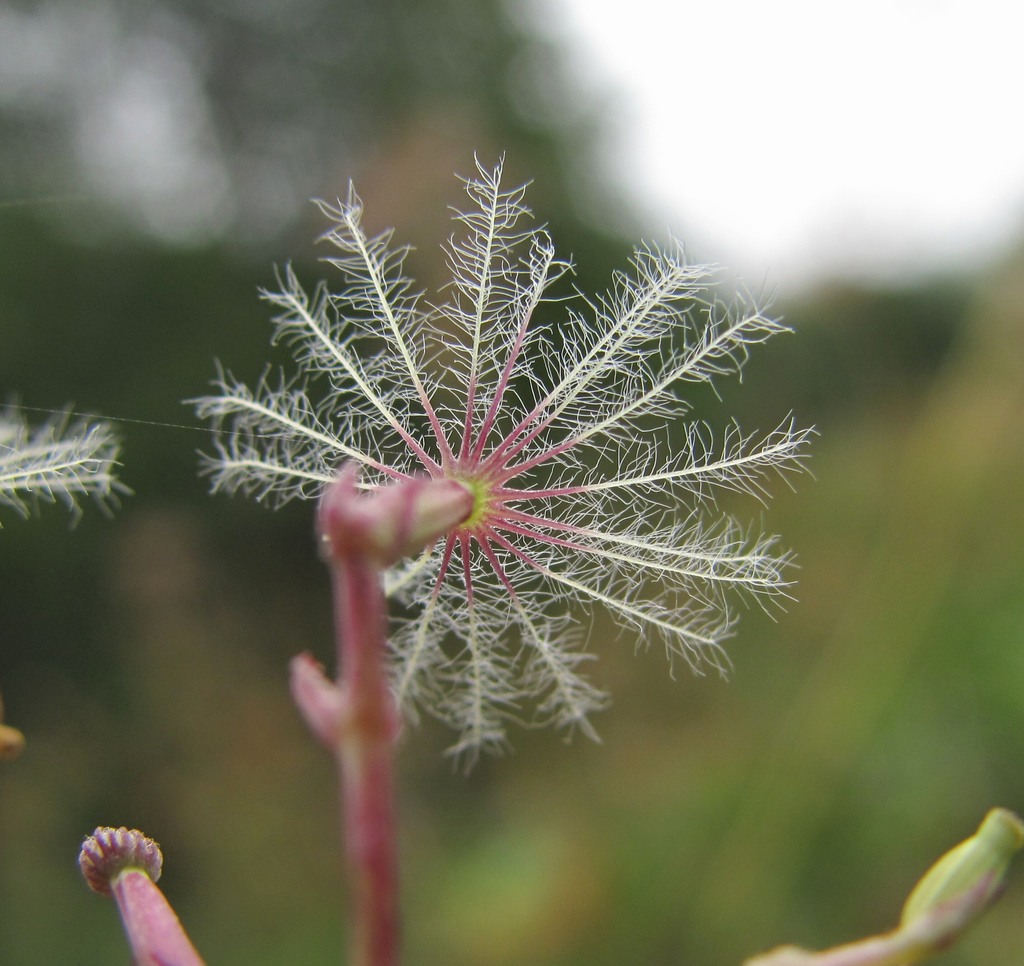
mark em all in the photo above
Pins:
pixel 864 731
pixel 223 118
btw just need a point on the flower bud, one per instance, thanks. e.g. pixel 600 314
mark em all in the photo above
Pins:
pixel 319 700
pixel 109 852
pixel 980 862
pixel 951 896
pixel 393 521
pixel 125 864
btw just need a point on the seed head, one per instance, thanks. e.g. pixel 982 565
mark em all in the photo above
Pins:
pixel 109 852
pixel 125 864
pixel 590 485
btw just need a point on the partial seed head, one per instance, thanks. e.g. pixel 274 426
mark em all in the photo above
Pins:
pixel 56 462
pixel 109 852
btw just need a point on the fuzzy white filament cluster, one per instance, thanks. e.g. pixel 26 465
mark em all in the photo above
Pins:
pixel 565 422
pixel 56 461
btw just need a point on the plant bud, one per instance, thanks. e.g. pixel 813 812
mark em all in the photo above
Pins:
pixel 985 856
pixel 393 521
pixel 109 852
pixel 125 864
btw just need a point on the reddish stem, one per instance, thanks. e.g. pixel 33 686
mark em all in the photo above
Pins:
pixel 153 930
pixel 356 716
pixel 365 753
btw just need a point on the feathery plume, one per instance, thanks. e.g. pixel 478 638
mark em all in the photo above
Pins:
pixel 56 461
pixel 561 428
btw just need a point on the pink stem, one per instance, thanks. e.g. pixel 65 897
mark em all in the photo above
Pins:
pixel 153 930
pixel 356 716
pixel 365 753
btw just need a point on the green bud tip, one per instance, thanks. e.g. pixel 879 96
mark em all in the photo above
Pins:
pixel 983 858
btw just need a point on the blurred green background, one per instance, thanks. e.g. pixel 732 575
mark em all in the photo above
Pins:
pixel 863 731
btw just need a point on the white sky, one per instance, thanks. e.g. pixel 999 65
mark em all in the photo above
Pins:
pixel 792 138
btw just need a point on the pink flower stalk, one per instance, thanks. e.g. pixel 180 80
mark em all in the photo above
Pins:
pixel 590 482
pixel 125 864
pixel 356 718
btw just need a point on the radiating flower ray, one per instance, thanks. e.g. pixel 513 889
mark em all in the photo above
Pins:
pixel 591 486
